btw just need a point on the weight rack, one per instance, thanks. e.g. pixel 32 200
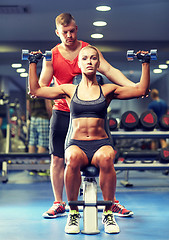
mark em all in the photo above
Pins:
pixel 28 161
pixel 156 165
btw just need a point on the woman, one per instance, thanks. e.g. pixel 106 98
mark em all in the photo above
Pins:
pixel 88 141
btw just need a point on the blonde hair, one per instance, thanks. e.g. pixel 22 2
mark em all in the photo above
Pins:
pixel 64 19
pixel 90 46
pixel 154 93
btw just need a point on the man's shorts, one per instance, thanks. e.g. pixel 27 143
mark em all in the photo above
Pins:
pixel 59 124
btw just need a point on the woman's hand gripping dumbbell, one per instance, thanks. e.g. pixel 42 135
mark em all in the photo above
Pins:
pixel 36 56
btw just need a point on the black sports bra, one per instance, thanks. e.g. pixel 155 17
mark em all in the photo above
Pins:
pixel 94 108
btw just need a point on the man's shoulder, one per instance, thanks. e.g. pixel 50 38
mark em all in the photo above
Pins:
pixel 55 48
pixel 151 104
pixel 164 102
pixel 84 44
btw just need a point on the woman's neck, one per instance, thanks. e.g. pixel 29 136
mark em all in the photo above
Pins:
pixel 89 80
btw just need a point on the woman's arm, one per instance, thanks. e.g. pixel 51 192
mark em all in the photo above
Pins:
pixel 140 89
pixel 46 75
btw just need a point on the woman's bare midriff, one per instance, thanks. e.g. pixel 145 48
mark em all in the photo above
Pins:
pixel 88 129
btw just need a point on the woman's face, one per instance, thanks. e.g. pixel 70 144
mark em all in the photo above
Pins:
pixel 88 60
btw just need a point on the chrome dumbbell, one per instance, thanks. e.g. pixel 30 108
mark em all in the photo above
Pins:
pixel 26 54
pixel 131 55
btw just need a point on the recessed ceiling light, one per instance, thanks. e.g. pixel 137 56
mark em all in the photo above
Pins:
pixel 24 75
pixel 157 71
pixel 163 66
pixel 103 8
pixel 16 65
pixel 97 35
pixel 100 23
pixel 167 62
pixel 21 70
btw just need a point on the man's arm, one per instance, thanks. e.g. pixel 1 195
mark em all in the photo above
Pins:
pixel 113 74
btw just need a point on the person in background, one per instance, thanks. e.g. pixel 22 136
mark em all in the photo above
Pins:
pixel 40 111
pixel 159 106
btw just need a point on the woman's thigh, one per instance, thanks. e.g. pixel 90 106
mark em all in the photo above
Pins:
pixel 103 155
pixel 75 155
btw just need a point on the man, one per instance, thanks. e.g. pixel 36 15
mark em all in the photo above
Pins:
pixel 40 111
pixel 159 106
pixel 64 67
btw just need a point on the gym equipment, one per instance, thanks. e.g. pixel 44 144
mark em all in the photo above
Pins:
pixel 141 154
pixel 148 120
pixel 147 156
pixel 129 120
pixel 26 54
pixel 164 122
pixel 164 155
pixel 139 134
pixel 112 124
pixel 90 203
pixel 144 156
pixel 144 163
pixel 77 79
pixel 28 161
pixel 23 161
pixel 131 55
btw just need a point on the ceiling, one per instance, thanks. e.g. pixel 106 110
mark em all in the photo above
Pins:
pixel 131 24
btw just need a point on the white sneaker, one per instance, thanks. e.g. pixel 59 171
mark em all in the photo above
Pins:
pixel 110 225
pixel 72 225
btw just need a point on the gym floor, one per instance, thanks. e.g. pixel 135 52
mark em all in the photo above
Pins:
pixel 24 198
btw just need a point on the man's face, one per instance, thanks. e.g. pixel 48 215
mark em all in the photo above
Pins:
pixel 67 34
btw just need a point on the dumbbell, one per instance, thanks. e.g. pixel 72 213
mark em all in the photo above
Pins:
pixel 26 54
pixel 129 120
pixel 164 122
pixel 131 55
pixel 164 155
pixel 112 124
pixel 148 120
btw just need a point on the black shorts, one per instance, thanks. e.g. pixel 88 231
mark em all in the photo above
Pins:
pixel 90 147
pixel 59 124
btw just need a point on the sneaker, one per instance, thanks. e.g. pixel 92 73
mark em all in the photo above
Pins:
pixel 121 211
pixel 44 173
pixel 110 225
pixel 57 210
pixel 72 225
